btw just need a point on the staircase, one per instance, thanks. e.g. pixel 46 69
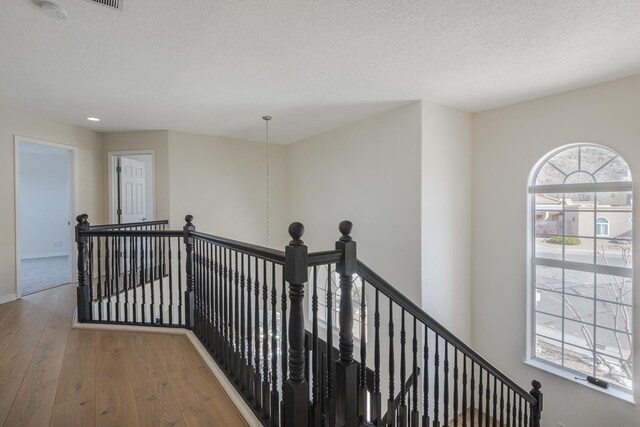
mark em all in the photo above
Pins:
pixel 308 339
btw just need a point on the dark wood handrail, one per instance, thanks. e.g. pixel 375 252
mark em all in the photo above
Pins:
pixel 325 257
pixel 268 254
pixel 130 224
pixel 131 233
pixel 393 294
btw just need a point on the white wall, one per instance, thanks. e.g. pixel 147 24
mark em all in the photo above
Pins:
pixel 446 217
pixel 507 142
pixel 369 173
pixel 90 194
pixel 44 201
pixel 222 183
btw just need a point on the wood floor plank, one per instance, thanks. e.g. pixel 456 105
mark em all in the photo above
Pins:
pixel 115 401
pixel 77 377
pixel 12 322
pixel 8 392
pixel 6 308
pixel 155 401
pixel 17 357
pixel 214 412
pixel 35 398
pixel 74 413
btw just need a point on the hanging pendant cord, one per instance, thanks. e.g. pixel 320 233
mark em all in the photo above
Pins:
pixel 266 122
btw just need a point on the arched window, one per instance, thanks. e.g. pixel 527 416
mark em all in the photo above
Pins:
pixel 602 227
pixel 581 263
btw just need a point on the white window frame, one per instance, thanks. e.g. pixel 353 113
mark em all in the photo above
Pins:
pixel 533 262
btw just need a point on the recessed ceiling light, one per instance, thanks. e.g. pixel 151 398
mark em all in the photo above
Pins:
pixel 93 119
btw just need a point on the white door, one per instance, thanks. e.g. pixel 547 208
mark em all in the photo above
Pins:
pixel 132 190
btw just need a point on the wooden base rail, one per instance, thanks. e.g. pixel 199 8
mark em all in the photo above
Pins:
pixel 292 331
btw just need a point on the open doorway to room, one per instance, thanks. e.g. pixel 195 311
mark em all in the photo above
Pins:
pixel 45 205
pixel 132 186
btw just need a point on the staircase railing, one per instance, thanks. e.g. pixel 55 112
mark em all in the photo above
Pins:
pixel 297 366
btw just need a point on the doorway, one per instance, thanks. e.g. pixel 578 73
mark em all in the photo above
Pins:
pixel 45 205
pixel 132 186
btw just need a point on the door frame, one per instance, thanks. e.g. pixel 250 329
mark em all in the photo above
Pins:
pixel 73 202
pixel 112 178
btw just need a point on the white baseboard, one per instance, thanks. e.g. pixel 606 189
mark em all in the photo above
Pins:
pixel 229 388
pixel 8 298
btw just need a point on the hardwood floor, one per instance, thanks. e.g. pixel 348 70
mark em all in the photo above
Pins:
pixel 53 375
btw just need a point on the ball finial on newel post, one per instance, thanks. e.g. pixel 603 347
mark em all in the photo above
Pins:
pixel 189 219
pixel 296 231
pixel 345 228
pixel 82 218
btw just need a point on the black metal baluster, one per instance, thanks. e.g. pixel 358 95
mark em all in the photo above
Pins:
pixel 520 412
pixel 283 336
pixel 331 404
pixel 464 391
pixel 119 254
pixel 179 283
pixel 143 281
pixel 126 259
pixel 236 317
pixel 99 287
pixel 257 379
pixel 487 409
pixel 152 314
pixel 376 404
pixel 501 404
pixel 415 416
pixel 161 274
pixel 472 395
pixel 446 383
pixel 217 314
pixel 265 342
pixel 134 278
pixel 495 401
pixel 362 393
pixel 508 407
pixel 315 387
pixel 250 370
pixel 275 396
pixel 243 342
pixel 402 413
pixel 227 310
pixel 391 413
pixel 480 403
pixel 526 414
pixel 170 256
pixel 90 264
pixel 108 271
pixel 455 386
pixel 426 421
pixel 196 288
pixel 436 384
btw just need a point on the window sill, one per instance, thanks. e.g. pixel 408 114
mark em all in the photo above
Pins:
pixel 611 391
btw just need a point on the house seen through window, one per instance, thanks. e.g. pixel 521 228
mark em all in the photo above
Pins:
pixel 581 281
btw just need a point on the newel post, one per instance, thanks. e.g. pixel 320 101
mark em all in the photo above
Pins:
pixel 536 414
pixel 84 304
pixel 346 367
pixel 296 388
pixel 188 294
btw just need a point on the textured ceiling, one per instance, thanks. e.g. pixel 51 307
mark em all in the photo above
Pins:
pixel 215 66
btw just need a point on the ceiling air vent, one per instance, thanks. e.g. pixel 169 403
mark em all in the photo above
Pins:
pixel 113 4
